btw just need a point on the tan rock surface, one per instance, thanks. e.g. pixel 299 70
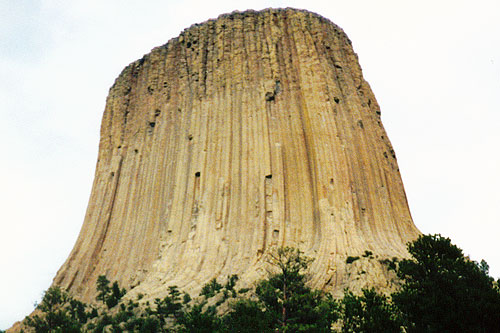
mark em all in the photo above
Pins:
pixel 248 132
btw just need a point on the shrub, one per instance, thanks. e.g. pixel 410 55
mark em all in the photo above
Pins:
pixel 351 259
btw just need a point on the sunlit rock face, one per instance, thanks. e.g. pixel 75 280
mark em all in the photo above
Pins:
pixel 245 133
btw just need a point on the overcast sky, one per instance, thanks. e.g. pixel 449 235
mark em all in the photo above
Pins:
pixel 434 67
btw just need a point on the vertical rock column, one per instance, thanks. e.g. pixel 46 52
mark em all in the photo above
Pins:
pixel 245 133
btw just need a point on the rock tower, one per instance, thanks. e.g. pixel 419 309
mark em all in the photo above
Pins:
pixel 245 133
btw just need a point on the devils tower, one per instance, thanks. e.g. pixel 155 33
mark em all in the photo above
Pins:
pixel 245 133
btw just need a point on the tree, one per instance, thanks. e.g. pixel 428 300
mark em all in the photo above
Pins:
pixel 211 288
pixel 230 284
pixel 108 295
pixel 103 288
pixel 247 316
pixel 444 291
pixel 59 312
pixel 369 312
pixel 284 301
pixel 277 291
pixel 114 295
pixel 169 307
pixel 199 318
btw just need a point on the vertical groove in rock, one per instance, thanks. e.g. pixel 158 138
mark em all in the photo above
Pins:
pixel 244 133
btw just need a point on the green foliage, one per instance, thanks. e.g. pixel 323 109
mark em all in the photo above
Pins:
pixel 244 290
pixel 369 312
pixel 351 259
pixel 444 291
pixel 103 288
pixel 367 254
pixel 290 262
pixel 186 298
pixel 148 324
pixel 392 264
pixel 108 295
pixel 59 312
pixel 289 304
pixel 103 321
pixel 199 319
pixel 129 317
pixel 248 316
pixel 230 283
pixel 211 288
pixel 115 295
pixel 170 307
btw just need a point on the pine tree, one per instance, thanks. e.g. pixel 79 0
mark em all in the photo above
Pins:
pixel 444 291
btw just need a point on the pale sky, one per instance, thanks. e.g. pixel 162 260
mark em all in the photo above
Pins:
pixel 434 67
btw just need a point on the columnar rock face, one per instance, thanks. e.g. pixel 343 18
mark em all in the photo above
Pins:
pixel 249 132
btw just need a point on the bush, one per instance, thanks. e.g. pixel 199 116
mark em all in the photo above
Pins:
pixel 211 288
pixel 247 316
pixel 199 319
pixel 350 259
pixel 369 312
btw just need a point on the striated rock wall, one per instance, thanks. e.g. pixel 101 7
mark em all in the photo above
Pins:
pixel 247 132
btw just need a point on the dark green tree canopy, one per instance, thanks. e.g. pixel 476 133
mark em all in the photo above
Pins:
pixel 444 291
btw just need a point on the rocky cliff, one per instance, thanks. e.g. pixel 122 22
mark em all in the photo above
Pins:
pixel 248 132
